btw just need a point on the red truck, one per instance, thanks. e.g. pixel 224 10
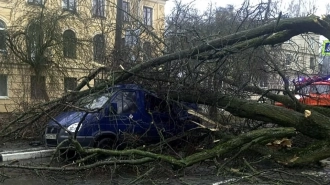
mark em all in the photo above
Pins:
pixel 312 91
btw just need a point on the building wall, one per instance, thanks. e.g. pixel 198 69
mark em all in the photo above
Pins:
pixel 17 16
pixel 302 52
pixel 296 58
pixel 19 86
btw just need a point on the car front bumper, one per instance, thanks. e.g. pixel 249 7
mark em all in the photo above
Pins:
pixel 54 135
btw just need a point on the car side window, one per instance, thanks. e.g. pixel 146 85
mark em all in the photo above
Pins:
pixel 126 102
pixel 155 104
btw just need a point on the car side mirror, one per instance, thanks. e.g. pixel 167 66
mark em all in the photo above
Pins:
pixel 113 108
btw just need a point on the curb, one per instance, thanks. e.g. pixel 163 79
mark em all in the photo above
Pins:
pixel 25 154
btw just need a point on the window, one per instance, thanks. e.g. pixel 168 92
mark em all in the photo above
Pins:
pixel 147 16
pixel 125 11
pixel 35 2
pixel 288 59
pixel 3 86
pixel 123 42
pixel 95 100
pixel 2 36
pixel 38 87
pixel 70 5
pixel 34 41
pixel 126 102
pixel 263 83
pixel 147 49
pixel 99 47
pixel 98 8
pixel 69 44
pixel 131 37
pixel 97 82
pixel 312 63
pixel 154 104
pixel 70 84
pixel 319 89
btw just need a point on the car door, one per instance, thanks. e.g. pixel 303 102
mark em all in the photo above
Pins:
pixel 159 119
pixel 126 116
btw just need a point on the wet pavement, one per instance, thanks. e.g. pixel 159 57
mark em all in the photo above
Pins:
pixel 161 175
pixel 106 175
pixel 204 173
pixel 21 145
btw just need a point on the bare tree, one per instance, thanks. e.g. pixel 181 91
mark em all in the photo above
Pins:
pixel 219 61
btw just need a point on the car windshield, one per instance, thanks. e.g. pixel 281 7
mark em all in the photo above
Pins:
pixel 319 89
pixel 304 90
pixel 94 101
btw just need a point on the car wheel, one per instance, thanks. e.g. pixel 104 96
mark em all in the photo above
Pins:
pixel 67 154
pixel 106 143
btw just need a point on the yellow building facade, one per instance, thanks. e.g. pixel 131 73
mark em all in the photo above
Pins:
pixel 48 46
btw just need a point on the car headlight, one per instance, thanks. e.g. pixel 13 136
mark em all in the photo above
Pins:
pixel 73 127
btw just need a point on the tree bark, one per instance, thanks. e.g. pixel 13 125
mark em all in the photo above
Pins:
pixel 117 54
pixel 316 126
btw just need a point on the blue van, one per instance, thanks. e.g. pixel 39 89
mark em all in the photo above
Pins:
pixel 123 114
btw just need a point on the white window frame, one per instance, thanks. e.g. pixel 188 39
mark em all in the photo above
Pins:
pixel 263 84
pixel 3 29
pixel 289 58
pixel 69 88
pixel 312 63
pixel 69 49
pixel 126 11
pixel 103 9
pixel 37 94
pixel 132 37
pixel 97 54
pixel 35 2
pixel 146 21
pixel 65 6
pixel 33 43
pixel 6 96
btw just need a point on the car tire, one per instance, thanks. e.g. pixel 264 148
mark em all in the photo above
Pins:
pixel 106 143
pixel 67 154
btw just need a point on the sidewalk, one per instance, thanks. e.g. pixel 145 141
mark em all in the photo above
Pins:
pixel 18 150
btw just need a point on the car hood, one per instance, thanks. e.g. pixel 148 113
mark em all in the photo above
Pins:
pixel 68 118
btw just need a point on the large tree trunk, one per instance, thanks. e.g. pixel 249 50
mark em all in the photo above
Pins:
pixel 316 125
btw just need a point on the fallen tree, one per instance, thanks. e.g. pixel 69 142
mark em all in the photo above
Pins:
pixel 242 142
pixel 290 121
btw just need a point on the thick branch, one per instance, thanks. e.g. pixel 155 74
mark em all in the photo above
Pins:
pixel 315 126
pixel 296 25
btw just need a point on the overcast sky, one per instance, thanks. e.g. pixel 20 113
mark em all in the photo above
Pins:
pixel 203 4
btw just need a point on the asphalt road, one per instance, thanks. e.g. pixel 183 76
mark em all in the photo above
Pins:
pixel 205 173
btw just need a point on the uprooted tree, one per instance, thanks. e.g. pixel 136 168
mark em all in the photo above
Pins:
pixel 218 70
